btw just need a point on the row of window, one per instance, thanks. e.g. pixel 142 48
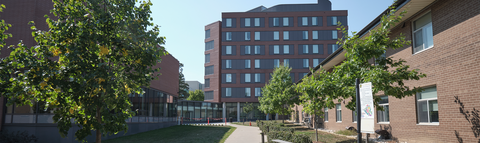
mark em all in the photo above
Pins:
pixel 280 49
pixel 246 78
pixel 246 91
pixel 427 108
pixel 283 21
pixel 276 63
pixel 316 35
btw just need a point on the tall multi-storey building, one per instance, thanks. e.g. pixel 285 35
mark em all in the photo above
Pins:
pixel 242 50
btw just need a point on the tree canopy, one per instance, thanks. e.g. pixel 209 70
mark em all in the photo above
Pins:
pixel 196 95
pixel 183 86
pixel 386 74
pixel 278 96
pixel 95 53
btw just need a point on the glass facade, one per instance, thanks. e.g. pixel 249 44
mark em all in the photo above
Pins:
pixel 200 111
pixel 153 106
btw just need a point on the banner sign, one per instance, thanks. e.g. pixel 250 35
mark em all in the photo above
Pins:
pixel 367 108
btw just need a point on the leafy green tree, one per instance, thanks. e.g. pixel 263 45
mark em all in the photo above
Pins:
pixel 312 89
pixel 247 108
pixel 3 27
pixel 387 76
pixel 95 53
pixel 196 95
pixel 183 86
pixel 279 94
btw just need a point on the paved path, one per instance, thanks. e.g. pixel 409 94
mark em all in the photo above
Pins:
pixel 245 134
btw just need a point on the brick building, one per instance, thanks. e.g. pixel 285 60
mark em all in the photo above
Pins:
pixel 157 107
pixel 445 37
pixel 242 50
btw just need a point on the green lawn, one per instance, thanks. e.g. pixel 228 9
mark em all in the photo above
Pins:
pixel 179 134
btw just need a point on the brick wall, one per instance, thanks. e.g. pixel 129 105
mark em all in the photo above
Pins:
pixel 168 80
pixel 215 33
pixel 452 65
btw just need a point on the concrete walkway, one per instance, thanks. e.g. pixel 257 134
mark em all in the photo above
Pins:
pixel 245 134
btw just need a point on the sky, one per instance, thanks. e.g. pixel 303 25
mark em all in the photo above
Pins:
pixel 183 22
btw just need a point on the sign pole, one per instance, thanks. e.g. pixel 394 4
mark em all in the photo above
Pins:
pixel 359 111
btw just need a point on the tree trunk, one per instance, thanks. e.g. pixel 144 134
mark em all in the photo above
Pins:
pixel 98 132
pixel 315 126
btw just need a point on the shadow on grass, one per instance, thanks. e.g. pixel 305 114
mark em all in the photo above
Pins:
pixel 179 134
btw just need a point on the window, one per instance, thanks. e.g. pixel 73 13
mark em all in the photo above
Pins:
pixel 228 92
pixel 314 21
pixel 334 47
pixel 247 91
pixel 315 49
pixel 285 21
pixel 305 49
pixel 285 35
pixel 247 35
pixel 286 49
pixel 209 70
pixel 257 50
pixel 228 77
pixel 207 58
pixel 276 49
pixel 229 36
pixel 258 91
pixel 276 63
pixel 207 83
pixel 257 77
pixel 339 112
pixel 228 50
pixel 304 21
pixel 247 77
pixel 315 62
pixel 315 35
pixel 276 35
pixel 305 63
pixel 275 21
pixel 354 116
pixel 334 20
pixel 257 63
pixel 247 50
pixel 229 22
pixel 257 35
pixel 228 64
pixel 427 106
pixel 305 35
pixel 209 45
pixel 247 64
pixel 422 33
pixel 207 33
pixel 383 116
pixel 382 57
pixel 247 22
pixel 257 22
pixel 286 62
pixel 334 34
pixel 325 114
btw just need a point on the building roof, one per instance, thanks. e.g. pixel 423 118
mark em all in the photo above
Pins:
pixel 322 5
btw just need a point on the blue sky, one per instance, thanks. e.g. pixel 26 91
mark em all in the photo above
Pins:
pixel 183 23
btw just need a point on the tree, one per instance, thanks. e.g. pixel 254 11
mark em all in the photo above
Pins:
pixel 196 95
pixel 183 86
pixel 248 108
pixel 279 94
pixel 312 89
pixel 3 27
pixel 94 54
pixel 387 76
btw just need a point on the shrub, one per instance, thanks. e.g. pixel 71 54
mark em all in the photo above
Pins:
pixel 18 137
pixel 288 136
